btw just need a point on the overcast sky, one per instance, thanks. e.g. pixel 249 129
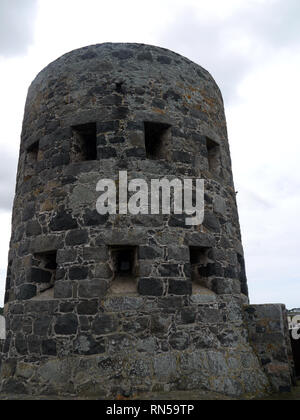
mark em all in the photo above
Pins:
pixel 251 47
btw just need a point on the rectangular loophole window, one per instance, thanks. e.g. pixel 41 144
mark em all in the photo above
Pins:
pixel 213 155
pixel 43 270
pixel 33 152
pixel 199 259
pixel 125 269
pixel 84 142
pixel 8 282
pixel 242 274
pixel 31 159
pixel 158 141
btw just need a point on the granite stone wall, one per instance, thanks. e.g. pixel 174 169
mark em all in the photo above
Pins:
pixel 269 335
pixel 129 345
pixel 118 304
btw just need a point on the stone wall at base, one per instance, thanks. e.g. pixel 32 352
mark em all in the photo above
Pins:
pixel 269 336
pixel 129 345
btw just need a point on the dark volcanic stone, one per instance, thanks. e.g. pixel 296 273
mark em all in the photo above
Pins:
pixel 78 273
pixel 21 344
pixel 169 270
pixel 66 325
pixel 104 324
pixel 180 287
pixel 136 152
pixel 13 387
pixel 77 237
pixel 93 218
pixel 150 287
pixel 41 326
pixel 188 315
pixel 107 153
pixel 49 348
pixel 123 54
pixel 146 56
pixel 33 228
pixel 148 253
pixel 87 345
pixel 27 291
pixel 88 307
pixel 163 59
pixel 63 221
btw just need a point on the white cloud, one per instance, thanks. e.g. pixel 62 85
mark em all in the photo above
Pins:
pixel 16 26
pixel 5 223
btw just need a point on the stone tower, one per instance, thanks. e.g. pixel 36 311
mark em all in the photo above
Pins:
pixel 122 304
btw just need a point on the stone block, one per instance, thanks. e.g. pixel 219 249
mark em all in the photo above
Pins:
pixel 104 324
pixel 90 289
pixel 66 325
pixel 63 289
pixel 78 273
pixel 150 287
pixel 63 221
pixel 26 292
pixel 165 367
pixel 77 237
pixel 87 307
pixel 180 287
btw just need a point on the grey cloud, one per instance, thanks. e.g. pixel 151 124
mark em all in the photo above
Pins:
pixel 205 43
pixel 211 43
pixel 277 26
pixel 251 200
pixel 16 26
pixel 8 169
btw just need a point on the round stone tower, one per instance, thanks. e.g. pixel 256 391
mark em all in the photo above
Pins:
pixel 121 303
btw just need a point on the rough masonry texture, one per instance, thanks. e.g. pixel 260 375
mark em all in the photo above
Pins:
pixel 120 304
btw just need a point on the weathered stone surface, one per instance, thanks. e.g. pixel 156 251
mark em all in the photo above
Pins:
pixel 66 325
pixel 269 336
pixel 27 291
pixel 63 221
pixel 49 348
pixel 151 287
pixel 104 324
pixel 92 288
pixel 63 290
pixel 41 326
pixel 87 345
pixel 77 237
pixel 174 319
pixel 88 307
pixel 78 273
pixel 180 287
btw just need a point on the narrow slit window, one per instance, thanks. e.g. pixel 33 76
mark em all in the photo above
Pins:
pixel 84 144
pixel 157 141
pixel 199 259
pixel 33 152
pixel 8 282
pixel 242 274
pixel 31 159
pixel 124 262
pixel 213 155
pixel 43 271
